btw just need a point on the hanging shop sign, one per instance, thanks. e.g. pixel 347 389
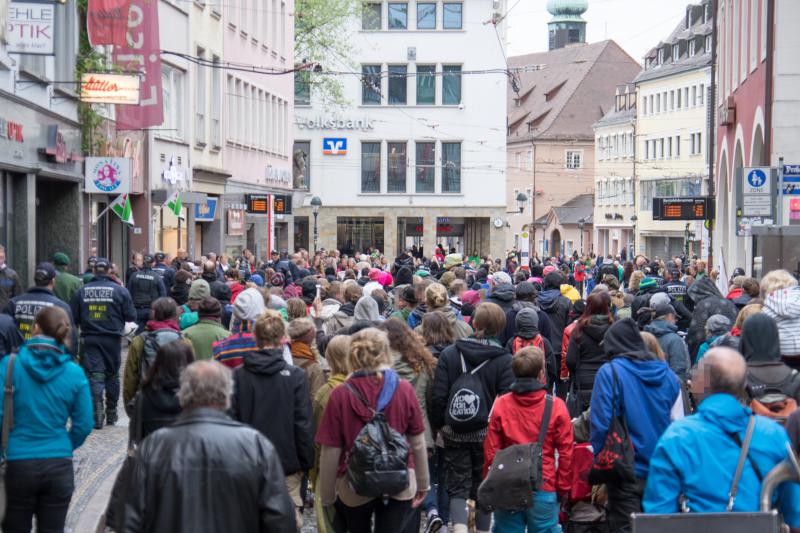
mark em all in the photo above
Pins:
pixel 236 222
pixel 107 21
pixel 31 28
pixel 121 89
pixel 107 175
pixel 206 211
pixel 173 174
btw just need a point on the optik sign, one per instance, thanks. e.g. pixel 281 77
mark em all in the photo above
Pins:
pixel 334 146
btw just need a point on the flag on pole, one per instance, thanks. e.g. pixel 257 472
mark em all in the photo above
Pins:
pixel 122 208
pixel 174 204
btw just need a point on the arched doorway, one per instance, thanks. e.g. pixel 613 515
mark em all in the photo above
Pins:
pixel 739 253
pixel 555 243
pixel 757 153
pixel 724 225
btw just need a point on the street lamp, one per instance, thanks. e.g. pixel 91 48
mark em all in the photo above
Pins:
pixel 581 224
pixel 316 203
pixel 634 218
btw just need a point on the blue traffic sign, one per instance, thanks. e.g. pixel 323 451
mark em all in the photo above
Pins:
pixel 756 177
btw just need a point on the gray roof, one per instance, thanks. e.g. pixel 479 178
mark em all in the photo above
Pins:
pixel 569 213
pixel 570 93
pixel 622 116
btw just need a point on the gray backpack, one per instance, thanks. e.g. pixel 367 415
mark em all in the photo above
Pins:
pixel 153 340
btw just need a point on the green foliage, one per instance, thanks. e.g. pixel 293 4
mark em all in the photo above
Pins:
pixel 89 60
pixel 322 35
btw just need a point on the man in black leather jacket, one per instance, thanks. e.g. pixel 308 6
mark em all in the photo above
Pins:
pixel 176 466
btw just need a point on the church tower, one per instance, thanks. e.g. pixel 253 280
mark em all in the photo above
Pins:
pixel 567 27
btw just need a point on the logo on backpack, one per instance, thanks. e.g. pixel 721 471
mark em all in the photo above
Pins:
pixel 465 405
pixel 467 409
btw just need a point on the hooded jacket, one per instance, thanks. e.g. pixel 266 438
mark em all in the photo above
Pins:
pixel 673 346
pixel 131 382
pixel 48 389
pixel 556 307
pixel 586 354
pixel 175 467
pixel 707 301
pixel 265 380
pixel 496 375
pixel 517 419
pixel 423 388
pixel 503 295
pixel 766 373
pixel 650 393
pixel 180 293
pixel 461 329
pixel 527 327
pixel 511 319
pixel 696 457
pixel 160 407
pixel 784 306
pixel 366 310
pixel 570 292
pixel 341 319
pixel 415 318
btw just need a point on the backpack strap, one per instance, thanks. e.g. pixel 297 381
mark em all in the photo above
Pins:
pixel 751 424
pixel 464 365
pixel 360 397
pixel 548 409
pixel 8 403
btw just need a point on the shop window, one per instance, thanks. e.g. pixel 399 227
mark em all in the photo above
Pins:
pixel 370 167
pixel 359 234
pixel 451 167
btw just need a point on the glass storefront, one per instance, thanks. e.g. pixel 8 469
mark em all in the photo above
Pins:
pixel 171 231
pixel 359 234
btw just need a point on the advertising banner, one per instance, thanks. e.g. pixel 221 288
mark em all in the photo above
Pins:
pixel 121 89
pixel 142 53
pixel 107 21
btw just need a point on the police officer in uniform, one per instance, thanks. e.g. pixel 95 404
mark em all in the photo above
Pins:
pixel 145 287
pixel 23 308
pixel 101 308
pixel 167 272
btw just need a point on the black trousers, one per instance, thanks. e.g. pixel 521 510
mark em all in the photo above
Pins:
pixel 390 517
pixel 624 499
pixel 103 359
pixel 40 487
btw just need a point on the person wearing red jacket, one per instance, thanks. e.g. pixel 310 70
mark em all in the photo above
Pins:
pixel 516 418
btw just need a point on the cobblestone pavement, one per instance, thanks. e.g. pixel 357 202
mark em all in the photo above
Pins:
pixel 96 464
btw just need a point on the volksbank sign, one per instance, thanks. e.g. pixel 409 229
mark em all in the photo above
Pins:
pixel 325 123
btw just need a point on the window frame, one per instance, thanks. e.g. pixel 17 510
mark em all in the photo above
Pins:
pixel 446 171
pixel 569 159
pixel 378 154
pixel 435 15
pixel 447 77
pixel 371 95
pixel 175 128
pixel 365 15
pixel 445 6
pixel 428 75
pixel 393 83
pixel 400 171
pixel 389 7
pixel 428 166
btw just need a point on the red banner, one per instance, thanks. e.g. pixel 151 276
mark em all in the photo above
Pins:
pixel 107 21
pixel 142 53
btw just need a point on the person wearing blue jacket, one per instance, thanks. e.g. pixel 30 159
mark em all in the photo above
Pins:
pixel 696 457
pixel 665 329
pixel 49 389
pixel 651 398
pixel 101 308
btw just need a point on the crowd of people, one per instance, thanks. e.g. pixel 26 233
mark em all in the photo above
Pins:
pixel 402 396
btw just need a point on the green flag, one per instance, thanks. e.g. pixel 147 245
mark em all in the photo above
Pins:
pixel 174 204
pixel 122 208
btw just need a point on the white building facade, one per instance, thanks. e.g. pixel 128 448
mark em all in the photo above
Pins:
pixel 417 157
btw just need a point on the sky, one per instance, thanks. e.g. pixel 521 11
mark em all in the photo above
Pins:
pixel 636 25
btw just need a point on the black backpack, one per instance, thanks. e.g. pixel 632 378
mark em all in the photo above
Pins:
pixel 467 405
pixel 153 340
pixel 377 466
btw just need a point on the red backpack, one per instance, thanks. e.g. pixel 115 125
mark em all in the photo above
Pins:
pixel 520 343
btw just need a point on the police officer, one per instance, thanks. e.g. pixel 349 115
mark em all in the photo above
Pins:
pixel 167 272
pixel 145 286
pixel 23 308
pixel 101 308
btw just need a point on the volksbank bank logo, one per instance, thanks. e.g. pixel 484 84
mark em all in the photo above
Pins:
pixel 323 123
pixel 334 146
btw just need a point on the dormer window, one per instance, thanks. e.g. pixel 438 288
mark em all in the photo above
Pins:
pixel 660 56
pixel 706 13
pixel 676 52
pixel 708 44
pixel 692 46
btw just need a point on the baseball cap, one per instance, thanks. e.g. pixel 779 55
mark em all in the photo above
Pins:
pixel 61 259
pixel 92 260
pixel 664 309
pixel 101 264
pixel 148 258
pixel 409 294
pixel 45 273
pixel 160 256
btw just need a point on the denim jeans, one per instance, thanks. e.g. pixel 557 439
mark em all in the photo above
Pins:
pixel 542 517
pixel 40 487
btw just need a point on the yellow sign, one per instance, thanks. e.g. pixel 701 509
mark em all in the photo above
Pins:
pixel 525 235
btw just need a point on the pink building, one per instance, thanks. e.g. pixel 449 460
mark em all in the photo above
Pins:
pixel 258 125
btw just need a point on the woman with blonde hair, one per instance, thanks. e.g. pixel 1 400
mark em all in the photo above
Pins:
pixel 633 284
pixel 372 387
pixel 782 303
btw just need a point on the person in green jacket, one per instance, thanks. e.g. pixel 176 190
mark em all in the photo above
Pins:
pixel 66 285
pixel 208 330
